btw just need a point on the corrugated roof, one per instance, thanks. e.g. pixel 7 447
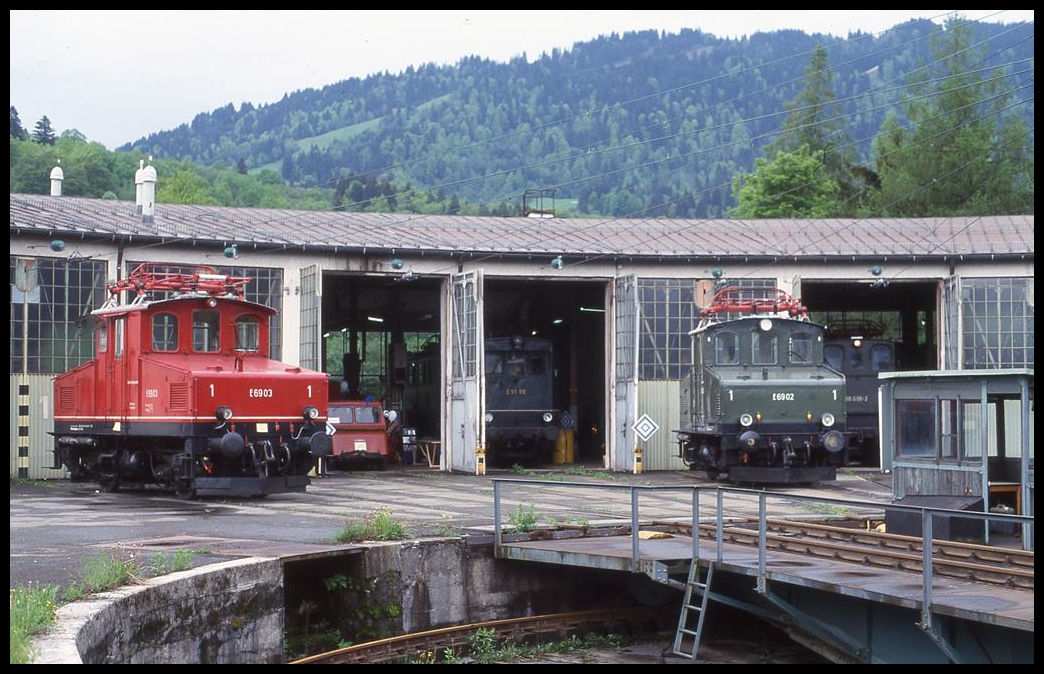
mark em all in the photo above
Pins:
pixel 669 238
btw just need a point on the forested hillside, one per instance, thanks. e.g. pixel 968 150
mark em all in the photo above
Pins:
pixel 642 123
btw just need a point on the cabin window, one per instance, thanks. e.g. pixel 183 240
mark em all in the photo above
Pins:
pixel 248 330
pixel 726 349
pixel 367 415
pixel 801 348
pixel 835 356
pixel 536 365
pixel 117 338
pixel 881 358
pixel 915 428
pixel 103 337
pixel 164 332
pixel 516 365
pixel 206 336
pixel 494 363
pixel 763 348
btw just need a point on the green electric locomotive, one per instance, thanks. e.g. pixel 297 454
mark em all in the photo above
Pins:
pixel 760 405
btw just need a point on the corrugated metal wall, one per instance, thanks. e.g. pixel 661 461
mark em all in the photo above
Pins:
pixel 660 399
pixel 41 423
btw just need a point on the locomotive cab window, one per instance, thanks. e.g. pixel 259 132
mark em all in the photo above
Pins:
pixel 881 358
pixel 164 332
pixel 494 363
pixel 248 330
pixel 367 415
pixel 205 331
pixel 102 337
pixel 801 349
pixel 763 348
pixel 726 348
pixel 516 365
pixel 536 365
pixel 117 337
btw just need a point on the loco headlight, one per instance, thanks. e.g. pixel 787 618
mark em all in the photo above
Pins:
pixel 488 417
pixel 223 413
pixel 310 413
pixel 827 419
pixel 746 420
pixel 547 417
pixel 391 416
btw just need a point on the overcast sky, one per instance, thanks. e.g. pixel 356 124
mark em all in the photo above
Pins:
pixel 119 75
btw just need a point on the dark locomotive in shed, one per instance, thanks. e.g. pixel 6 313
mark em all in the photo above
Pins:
pixel 759 404
pixel 858 349
pixel 522 417
pixel 183 395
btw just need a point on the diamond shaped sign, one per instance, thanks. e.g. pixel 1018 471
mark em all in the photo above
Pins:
pixel 645 427
pixel 566 421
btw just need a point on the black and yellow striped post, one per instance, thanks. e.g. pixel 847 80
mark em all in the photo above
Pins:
pixel 480 460
pixel 23 428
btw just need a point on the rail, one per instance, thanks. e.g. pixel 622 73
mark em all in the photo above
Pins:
pixel 719 493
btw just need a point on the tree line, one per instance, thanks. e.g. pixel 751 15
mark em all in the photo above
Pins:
pixel 696 127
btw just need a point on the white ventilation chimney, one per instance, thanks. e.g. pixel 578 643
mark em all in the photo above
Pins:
pixel 137 186
pixel 148 194
pixel 57 176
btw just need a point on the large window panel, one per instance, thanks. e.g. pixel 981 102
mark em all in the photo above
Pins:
pixel 59 334
pixel 998 323
pixel 667 313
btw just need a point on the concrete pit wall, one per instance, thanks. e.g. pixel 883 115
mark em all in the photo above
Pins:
pixel 239 612
pixel 223 613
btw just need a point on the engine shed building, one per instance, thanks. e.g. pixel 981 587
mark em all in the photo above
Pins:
pixel 617 296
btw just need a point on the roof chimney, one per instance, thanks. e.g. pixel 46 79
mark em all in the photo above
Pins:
pixel 148 194
pixel 57 176
pixel 137 186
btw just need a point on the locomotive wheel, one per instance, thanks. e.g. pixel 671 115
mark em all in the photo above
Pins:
pixel 184 491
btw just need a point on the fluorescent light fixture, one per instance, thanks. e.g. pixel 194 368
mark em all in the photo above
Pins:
pixel 375 319
pixel 325 335
pixel 557 321
pixel 593 309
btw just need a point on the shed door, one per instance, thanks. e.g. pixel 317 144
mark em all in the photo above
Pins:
pixel 311 318
pixel 624 373
pixel 951 323
pixel 466 429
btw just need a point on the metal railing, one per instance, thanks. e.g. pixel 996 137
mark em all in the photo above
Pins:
pixel 927 516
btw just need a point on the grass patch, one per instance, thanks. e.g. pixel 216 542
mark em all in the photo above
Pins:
pixel 181 560
pixel 378 526
pixel 484 648
pixel 32 611
pixel 523 519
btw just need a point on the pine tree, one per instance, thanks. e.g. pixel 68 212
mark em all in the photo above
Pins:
pixel 43 133
pixel 17 131
pixel 957 155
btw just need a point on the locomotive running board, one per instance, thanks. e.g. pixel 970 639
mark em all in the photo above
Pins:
pixel 249 486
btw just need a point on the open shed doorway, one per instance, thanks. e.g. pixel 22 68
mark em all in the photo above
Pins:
pixel 872 328
pixel 380 341
pixel 570 314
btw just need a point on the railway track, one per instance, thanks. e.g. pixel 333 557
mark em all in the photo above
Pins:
pixel 433 643
pixel 981 563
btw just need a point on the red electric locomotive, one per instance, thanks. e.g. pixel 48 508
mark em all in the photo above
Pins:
pixel 182 394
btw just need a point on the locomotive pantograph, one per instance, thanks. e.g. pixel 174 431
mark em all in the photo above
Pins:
pixel 759 404
pixel 183 395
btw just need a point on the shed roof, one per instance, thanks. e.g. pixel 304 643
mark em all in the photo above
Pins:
pixel 1000 235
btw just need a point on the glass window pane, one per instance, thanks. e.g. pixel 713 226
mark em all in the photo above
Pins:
pixel 915 428
pixel 248 331
pixel 206 336
pixel 164 332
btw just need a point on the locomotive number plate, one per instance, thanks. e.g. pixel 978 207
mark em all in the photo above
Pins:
pixel 262 428
pixel 515 392
pixel 782 396
pixel 260 393
pixel 360 445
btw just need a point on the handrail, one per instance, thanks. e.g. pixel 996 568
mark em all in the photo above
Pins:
pixel 927 515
